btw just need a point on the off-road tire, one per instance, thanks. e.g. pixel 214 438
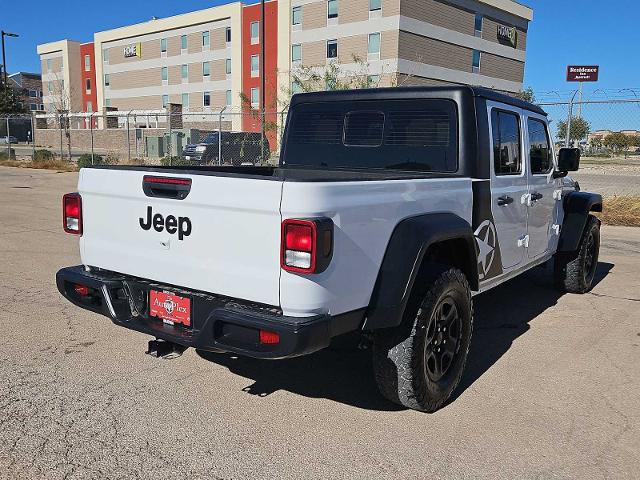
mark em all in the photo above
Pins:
pixel 574 272
pixel 402 356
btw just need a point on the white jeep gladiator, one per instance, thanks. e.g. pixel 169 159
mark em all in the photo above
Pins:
pixel 389 210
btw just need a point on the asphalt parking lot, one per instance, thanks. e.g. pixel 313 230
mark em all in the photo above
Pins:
pixel 552 389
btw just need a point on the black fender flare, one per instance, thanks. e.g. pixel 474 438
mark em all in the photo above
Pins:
pixel 577 206
pixel 405 252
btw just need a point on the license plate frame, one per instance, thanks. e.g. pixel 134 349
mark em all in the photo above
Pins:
pixel 169 307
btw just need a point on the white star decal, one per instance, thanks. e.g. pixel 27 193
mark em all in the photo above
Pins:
pixel 486 246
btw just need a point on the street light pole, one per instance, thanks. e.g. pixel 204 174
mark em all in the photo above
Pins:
pixel 4 57
pixel 262 77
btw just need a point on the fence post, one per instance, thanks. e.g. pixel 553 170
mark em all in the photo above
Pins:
pixel 91 129
pixel 33 137
pixel 169 143
pixel 567 142
pixel 128 139
pixel 61 146
pixel 8 141
pixel 220 135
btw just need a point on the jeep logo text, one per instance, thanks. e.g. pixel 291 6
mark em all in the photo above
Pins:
pixel 181 225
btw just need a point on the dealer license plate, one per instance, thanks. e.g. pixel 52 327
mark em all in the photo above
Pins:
pixel 169 307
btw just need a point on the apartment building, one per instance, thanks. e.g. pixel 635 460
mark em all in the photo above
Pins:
pixel 204 60
pixel 413 42
pixel 29 88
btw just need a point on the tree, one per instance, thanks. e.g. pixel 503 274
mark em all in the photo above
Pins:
pixel 527 95
pixel 60 99
pixel 580 129
pixel 619 142
pixel 10 101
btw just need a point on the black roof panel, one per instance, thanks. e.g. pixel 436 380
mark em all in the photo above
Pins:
pixel 397 93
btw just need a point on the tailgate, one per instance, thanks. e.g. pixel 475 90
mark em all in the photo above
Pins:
pixel 223 238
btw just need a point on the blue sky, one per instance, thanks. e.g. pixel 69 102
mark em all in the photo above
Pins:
pixel 563 32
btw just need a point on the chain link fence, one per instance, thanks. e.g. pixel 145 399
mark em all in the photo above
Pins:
pixel 152 137
pixel 607 131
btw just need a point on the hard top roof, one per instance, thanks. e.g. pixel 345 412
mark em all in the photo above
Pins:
pixel 398 93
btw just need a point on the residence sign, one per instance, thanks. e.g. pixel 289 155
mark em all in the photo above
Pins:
pixel 508 35
pixel 588 73
pixel 134 50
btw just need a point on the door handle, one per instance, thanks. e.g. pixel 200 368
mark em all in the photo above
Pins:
pixel 535 196
pixel 506 200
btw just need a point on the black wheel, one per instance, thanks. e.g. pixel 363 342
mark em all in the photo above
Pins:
pixel 419 364
pixel 574 273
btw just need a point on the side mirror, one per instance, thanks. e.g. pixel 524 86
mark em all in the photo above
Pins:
pixel 568 161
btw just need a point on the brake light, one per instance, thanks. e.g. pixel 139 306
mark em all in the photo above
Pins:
pixel 306 245
pixel 81 290
pixel 269 338
pixel 72 213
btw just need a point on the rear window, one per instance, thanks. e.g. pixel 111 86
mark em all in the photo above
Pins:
pixel 413 135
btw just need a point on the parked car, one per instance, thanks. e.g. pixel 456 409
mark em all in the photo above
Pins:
pixel 7 140
pixel 389 211
pixel 237 148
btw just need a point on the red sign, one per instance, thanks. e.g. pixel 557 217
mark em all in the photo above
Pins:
pixel 586 73
pixel 170 308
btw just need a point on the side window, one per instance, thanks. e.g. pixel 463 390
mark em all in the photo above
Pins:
pixel 539 148
pixel 506 143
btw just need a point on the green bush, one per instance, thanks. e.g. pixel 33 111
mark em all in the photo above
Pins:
pixel 175 162
pixel 43 156
pixel 7 156
pixel 85 160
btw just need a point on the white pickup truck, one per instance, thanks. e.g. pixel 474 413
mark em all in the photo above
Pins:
pixel 390 209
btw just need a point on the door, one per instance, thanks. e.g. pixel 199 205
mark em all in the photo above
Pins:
pixel 508 184
pixel 542 186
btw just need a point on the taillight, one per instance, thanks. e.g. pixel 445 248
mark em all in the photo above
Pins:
pixel 307 245
pixel 72 213
pixel 269 338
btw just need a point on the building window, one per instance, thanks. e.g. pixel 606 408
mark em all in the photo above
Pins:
pixel 332 9
pixel 255 97
pixel 42 107
pixel 33 107
pixel 107 102
pixel 332 48
pixel 475 65
pixel 87 63
pixel 205 39
pixel 89 107
pixel 255 65
pixel 205 69
pixel 227 66
pixel 163 45
pixel 296 53
pixel 183 42
pixel 48 64
pixel 184 72
pixel 478 25
pixel 296 87
pixel 61 85
pixel 296 17
pixel 228 34
pixel 165 74
pixel 206 99
pixel 105 55
pixel 185 100
pixel 375 5
pixel 50 87
pixel 107 80
pixel 374 44
pixel 228 98
pixel 373 81
pixel 255 32
pixel 33 93
pixel 87 85
pixel 165 101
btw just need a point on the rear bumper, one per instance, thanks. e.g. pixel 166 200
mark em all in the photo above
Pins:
pixel 218 323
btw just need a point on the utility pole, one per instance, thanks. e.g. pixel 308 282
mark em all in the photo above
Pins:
pixel 263 62
pixel 4 57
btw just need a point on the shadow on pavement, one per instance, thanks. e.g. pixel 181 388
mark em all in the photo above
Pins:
pixel 343 373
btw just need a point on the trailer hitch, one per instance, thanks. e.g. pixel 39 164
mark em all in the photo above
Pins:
pixel 165 350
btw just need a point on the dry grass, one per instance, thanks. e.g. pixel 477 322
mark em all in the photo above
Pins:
pixel 622 211
pixel 58 165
